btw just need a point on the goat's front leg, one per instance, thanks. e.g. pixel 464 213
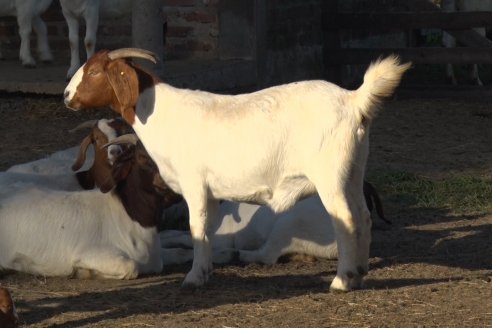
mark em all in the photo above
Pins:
pixel 24 20
pixel 91 23
pixel 73 37
pixel 203 212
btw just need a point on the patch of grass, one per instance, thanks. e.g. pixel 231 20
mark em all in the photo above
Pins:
pixel 458 194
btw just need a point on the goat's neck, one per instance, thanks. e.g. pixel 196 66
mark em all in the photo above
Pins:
pixel 141 206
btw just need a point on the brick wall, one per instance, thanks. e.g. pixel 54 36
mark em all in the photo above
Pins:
pixel 192 28
pixel 293 41
pixel 192 31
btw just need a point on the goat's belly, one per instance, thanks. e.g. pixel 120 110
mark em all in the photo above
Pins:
pixel 280 197
pixel 289 191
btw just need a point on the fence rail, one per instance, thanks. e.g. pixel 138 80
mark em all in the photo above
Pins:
pixel 422 14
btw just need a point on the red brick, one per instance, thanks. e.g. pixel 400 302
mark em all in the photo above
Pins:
pixel 180 3
pixel 178 31
pixel 200 17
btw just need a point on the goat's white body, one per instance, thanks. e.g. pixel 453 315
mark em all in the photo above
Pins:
pixel 450 42
pixel 265 155
pixel 269 147
pixel 59 162
pixel 258 234
pixel 52 181
pixel 90 11
pixel 28 13
pixel 58 233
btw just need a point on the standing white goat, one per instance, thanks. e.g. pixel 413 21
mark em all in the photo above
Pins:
pixel 90 11
pixel 273 146
pixel 28 13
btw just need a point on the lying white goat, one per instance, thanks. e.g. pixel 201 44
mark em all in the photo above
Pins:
pixel 54 171
pixel 86 233
pixel 257 234
pixel 254 233
pixel 28 13
pixel 273 147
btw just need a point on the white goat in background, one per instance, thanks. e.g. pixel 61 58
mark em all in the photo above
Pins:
pixel 90 11
pixel 28 13
pixel 450 42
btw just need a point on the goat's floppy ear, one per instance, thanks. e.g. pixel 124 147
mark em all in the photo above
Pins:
pixel 82 151
pixel 107 185
pixel 124 81
pixel 85 179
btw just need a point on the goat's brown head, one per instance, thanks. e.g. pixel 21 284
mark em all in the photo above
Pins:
pixel 109 79
pixel 139 185
pixel 8 315
pixel 102 131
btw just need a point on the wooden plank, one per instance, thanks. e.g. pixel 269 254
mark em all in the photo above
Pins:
pixel 416 55
pixel 331 38
pixel 407 20
pixel 462 93
pixel 469 38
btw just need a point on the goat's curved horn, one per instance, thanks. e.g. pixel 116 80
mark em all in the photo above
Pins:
pixel 133 52
pixel 84 125
pixel 130 138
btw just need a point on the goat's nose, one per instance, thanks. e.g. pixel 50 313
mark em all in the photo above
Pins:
pixel 115 151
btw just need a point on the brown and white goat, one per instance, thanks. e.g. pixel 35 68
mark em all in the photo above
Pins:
pixel 8 314
pixel 273 147
pixel 88 234
pixel 102 132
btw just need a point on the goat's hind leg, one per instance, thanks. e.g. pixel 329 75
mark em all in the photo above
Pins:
pixel 44 50
pixel 352 223
pixel 105 264
pixel 176 239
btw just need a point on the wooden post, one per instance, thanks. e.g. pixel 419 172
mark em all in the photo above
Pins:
pixel 331 40
pixel 261 47
pixel 147 30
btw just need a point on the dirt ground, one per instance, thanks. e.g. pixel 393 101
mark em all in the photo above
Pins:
pixel 431 268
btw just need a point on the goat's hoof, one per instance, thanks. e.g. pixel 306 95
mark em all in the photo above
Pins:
pixel 189 287
pixel 29 65
pixel 351 281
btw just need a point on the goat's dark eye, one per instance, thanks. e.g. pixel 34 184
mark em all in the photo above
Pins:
pixel 92 72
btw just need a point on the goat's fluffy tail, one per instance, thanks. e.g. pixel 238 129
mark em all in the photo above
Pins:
pixel 380 81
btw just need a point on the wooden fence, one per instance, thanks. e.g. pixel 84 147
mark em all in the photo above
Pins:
pixel 423 14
